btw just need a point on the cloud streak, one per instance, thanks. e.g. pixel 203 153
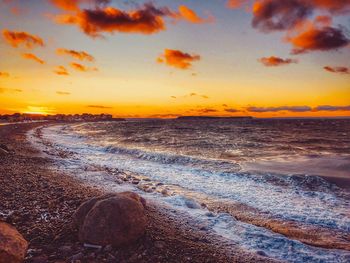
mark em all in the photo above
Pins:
pixel 178 59
pixel 99 107
pixel 33 57
pixel 61 70
pixel 298 109
pixel 281 108
pixel 81 55
pixel 340 70
pixel 82 68
pixel 62 92
pixel 16 39
pixel 276 61
pixel 332 108
pixel 234 4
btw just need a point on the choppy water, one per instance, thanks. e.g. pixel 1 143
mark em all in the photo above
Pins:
pixel 204 162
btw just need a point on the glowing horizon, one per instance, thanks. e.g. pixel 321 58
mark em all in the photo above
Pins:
pixel 174 58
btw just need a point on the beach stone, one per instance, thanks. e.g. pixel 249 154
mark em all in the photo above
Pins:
pixel 113 219
pixel 13 247
pixel 4 149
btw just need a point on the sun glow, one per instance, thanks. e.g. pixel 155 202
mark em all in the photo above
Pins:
pixel 38 110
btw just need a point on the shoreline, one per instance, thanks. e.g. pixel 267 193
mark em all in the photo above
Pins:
pixel 39 201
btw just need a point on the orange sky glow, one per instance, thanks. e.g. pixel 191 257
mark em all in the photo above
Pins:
pixel 170 58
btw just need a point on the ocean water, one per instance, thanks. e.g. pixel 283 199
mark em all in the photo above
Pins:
pixel 233 176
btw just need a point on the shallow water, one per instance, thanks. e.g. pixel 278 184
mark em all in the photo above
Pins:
pixel 203 160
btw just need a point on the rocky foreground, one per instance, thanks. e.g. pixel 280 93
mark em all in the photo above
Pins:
pixel 40 203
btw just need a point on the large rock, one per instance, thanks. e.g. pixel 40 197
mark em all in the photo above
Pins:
pixel 111 219
pixel 13 247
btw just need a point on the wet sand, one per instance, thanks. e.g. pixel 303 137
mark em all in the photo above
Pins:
pixel 39 201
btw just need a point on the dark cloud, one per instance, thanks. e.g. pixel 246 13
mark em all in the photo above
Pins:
pixel 293 17
pixel 99 107
pixel 281 108
pixel 332 108
pixel 341 70
pixel 276 61
pixel 178 59
pixel 271 15
pixel 232 110
pixel 207 110
pixel 16 39
pixel 147 19
pixel 332 6
pixel 298 109
pixel 318 39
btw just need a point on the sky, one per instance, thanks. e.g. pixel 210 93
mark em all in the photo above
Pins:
pixel 166 58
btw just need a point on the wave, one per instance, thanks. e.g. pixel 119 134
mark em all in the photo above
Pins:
pixel 174 159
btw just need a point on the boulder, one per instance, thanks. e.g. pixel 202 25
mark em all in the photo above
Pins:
pixel 111 219
pixel 13 247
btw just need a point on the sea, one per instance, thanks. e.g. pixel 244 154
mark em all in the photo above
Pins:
pixel 243 180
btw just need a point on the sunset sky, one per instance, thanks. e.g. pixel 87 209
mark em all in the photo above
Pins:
pixel 166 58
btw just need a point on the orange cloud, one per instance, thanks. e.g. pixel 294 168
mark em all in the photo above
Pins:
pixel 177 58
pixel 317 36
pixel 33 57
pixel 191 16
pixel 78 66
pixel 4 74
pixel 69 5
pixel 234 4
pixel 81 55
pixel 61 70
pixel 276 61
pixel 81 67
pixel 341 70
pixel 146 20
pixel 292 16
pixel 22 38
